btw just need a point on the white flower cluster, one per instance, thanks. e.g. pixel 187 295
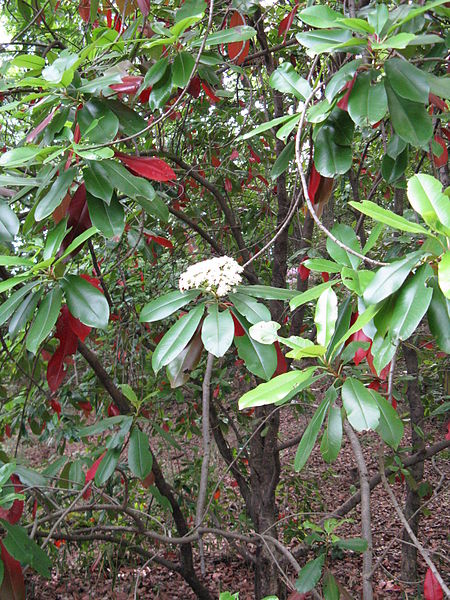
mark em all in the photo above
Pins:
pixel 217 275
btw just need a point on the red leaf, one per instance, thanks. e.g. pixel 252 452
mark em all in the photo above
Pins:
pixel 303 271
pixel 238 50
pixel 286 23
pixel 384 373
pixel 325 276
pixel 56 407
pixel 437 102
pixel 194 87
pixel 151 168
pixel 130 84
pixel 79 219
pixel 78 328
pixel 253 156
pixel 149 480
pixel 42 125
pixel 441 160
pixel 160 240
pixel 91 474
pixel 144 6
pixel 68 341
pixel 113 411
pixel 234 155
pixel 281 361
pixel 210 93
pixel 13 585
pixel 84 9
pixel 314 181
pixel 431 588
pixel 228 186
pixel 360 354
pixel 13 514
pixel 86 407
pixel 216 162
pixel 343 102
pixel 238 329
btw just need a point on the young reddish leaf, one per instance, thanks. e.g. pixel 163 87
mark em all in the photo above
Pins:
pixel 303 271
pixel 437 102
pixel 281 361
pixel 194 87
pixel 56 407
pixel 360 336
pixel 42 125
pixel 60 212
pixel 148 481
pixel 13 585
pixel 91 474
pixel 263 179
pixel 384 373
pixel 79 219
pixel 238 50
pixel 441 160
pixel 210 93
pixel 151 168
pixel 216 162
pixel 238 329
pixel 113 411
pixel 228 186
pixel 234 155
pixel 78 328
pixel 253 156
pixel 325 276
pixel 86 407
pixel 144 6
pixel 13 514
pixel 159 240
pixel 84 9
pixel 313 184
pixel 130 84
pixel 343 102
pixel 431 588
pixel 286 23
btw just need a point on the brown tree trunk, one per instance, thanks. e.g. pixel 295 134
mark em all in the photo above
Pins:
pixel 413 501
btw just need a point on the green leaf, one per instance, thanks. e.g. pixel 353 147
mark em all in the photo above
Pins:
pixel 426 197
pixel 182 68
pixel 356 280
pixel 330 586
pixel 276 389
pixel 8 307
pixel 252 310
pixel 28 61
pixel 217 331
pixel 85 302
pixel 338 80
pixel 19 157
pixel 283 160
pixel 107 124
pixel 125 182
pixel 309 295
pixel 312 431
pixel 387 217
pixel 285 79
pixel 325 316
pixel 390 426
pixel 109 219
pixel 414 12
pixel 61 70
pixel 102 425
pixel 332 437
pixel 78 241
pixel 107 466
pixel 9 223
pixel 360 406
pixel 55 195
pixel 241 33
pixel 260 359
pixel 342 325
pixel 25 550
pixel 439 317
pixel 12 282
pixel 356 25
pixel 347 236
pixel 322 265
pixel 356 544
pixel 325 41
pixel 389 279
pixel 407 80
pixel 97 181
pixel 266 292
pixel 178 336
pixel 330 158
pixel 410 120
pixel 308 577
pixel 45 319
pixel 155 73
pixel 130 122
pixel 393 169
pixel 444 274
pixel 411 304
pixel 399 41
pixel 264 127
pixel 319 15
pixel 367 102
pixel 383 350
pixel 54 239
pixel 166 305
pixel 265 332
pixel 363 319
pixel 23 313
pixel 76 475
pixel 140 459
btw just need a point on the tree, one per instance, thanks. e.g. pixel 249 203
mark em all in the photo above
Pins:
pixel 266 144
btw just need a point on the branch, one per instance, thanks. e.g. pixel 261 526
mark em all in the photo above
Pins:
pixel 366 520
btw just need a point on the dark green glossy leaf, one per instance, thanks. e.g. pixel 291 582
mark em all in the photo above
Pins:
pixel 14 301
pixel 285 79
pixel 182 68
pixel 97 181
pixel 140 459
pixel 410 120
pixel 390 426
pixel 45 319
pixel 393 169
pixel 407 80
pixel 360 406
pixel 85 302
pixel 347 236
pixel 260 359
pixel 412 303
pixel 9 223
pixel 308 577
pixel 107 466
pixel 283 160
pixel 389 279
pixel 332 436
pixel 109 219
pixel 439 317
pixel 166 305
pixel 217 331
pixel 247 306
pixel 106 127
pixel 23 313
pixel 367 102
pixel 55 195
pixel 24 549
